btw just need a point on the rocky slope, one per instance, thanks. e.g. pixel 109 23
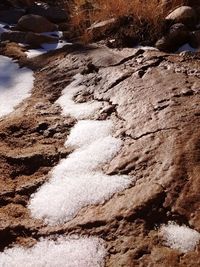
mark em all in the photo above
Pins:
pixel 153 100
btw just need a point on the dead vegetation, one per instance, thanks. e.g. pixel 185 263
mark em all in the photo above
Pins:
pixel 138 21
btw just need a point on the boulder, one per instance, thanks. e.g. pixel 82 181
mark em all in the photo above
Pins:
pixel 53 14
pixel 64 26
pixel 17 3
pixel 183 14
pixel 195 39
pixel 11 16
pixel 36 40
pixel 35 23
pixel 177 36
pixel 30 38
pixel 13 36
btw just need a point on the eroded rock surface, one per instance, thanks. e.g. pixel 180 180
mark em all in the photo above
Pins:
pixel 153 100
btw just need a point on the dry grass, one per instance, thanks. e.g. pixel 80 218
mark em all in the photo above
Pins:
pixel 147 15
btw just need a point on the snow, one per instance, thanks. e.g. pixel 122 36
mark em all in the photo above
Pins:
pixel 76 181
pixel 54 34
pixel 45 48
pixel 187 47
pixel 88 131
pixel 146 48
pixel 89 158
pixel 2 28
pixel 178 237
pixel 59 201
pixel 15 85
pixel 64 252
pixel 78 110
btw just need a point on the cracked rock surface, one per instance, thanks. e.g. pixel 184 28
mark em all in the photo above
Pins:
pixel 153 100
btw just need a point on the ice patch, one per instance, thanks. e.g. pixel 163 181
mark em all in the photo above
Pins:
pixel 180 237
pixel 15 85
pixel 77 110
pixel 65 252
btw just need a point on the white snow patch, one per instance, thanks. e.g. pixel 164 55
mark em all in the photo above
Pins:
pixel 60 200
pixel 64 252
pixel 76 181
pixel 180 237
pixel 88 159
pixel 188 48
pixel 15 85
pixel 87 131
pixel 54 34
pixel 45 48
pixel 78 110
pixel 2 28
pixel 146 48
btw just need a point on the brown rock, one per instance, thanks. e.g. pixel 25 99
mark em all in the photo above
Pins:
pixel 30 38
pixel 35 40
pixel 183 14
pixel 177 36
pixel 195 39
pixel 13 36
pixel 155 111
pixel 35 23
pixel 53 14
pixel 11 16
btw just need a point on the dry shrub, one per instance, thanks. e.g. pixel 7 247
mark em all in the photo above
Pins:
pixel 146 15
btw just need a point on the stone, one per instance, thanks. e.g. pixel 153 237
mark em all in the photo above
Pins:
pixel 30 38
pixel 195 39
pixel 11 16
pixel 156 115
pixel 36 40
pixel 17 3
pixel 177 36
pixel 35 23
pixel 13 36
pixel 183 14
pixel 53 14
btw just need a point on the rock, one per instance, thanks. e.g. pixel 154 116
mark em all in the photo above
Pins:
pixel 53 14
pixel 195 39
pixel 157 117
pixel 36 40
pixel 177 36
pixel 11 16
pixel 183 14
pixel 30 38
pixel 17 3
pixel 14 36
pixel 63 26
pixel 35 23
